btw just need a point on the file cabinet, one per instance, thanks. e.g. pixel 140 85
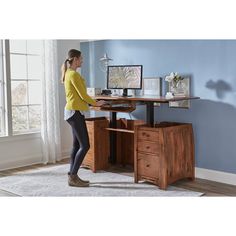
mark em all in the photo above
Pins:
pixel 164 153
pixel 98 154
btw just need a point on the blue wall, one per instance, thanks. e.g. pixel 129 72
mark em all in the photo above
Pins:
pixel 212 66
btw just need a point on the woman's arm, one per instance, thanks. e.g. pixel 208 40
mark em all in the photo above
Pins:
pixel 81 90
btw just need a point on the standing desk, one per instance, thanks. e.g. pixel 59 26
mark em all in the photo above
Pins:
pixel 132 101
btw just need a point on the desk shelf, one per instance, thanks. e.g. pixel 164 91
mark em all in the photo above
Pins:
pixel 125 140
pixel 121 130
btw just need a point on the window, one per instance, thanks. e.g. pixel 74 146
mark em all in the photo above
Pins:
pixel 24 71
pixel 2 129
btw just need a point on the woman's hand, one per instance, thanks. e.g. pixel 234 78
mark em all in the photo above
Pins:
pixel 100 103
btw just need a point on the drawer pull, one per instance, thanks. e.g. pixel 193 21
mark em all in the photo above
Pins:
pixel 147 135
pixel 147 147
pixel 148 165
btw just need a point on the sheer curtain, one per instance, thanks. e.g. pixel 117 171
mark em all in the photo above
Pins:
pixel 51 138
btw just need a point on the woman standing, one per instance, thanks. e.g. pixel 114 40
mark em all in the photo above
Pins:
pixel 77 101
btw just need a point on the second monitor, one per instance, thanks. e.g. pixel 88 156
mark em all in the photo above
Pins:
pixel 124 77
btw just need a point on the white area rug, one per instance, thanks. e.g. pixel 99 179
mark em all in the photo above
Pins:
pixel 52 181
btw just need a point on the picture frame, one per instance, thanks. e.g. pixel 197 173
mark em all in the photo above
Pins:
pixel 152 86
pixel 182 89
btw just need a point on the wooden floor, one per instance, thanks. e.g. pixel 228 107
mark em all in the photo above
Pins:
pixel 209 188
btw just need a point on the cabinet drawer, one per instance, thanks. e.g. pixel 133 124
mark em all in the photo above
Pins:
pixel 148 135
pixel 148 165
pixel 150 147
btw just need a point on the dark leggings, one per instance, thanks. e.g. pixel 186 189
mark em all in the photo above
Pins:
pixel 80 141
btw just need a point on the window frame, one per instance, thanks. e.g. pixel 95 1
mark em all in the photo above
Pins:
pixel 7 89
pixel 2 104
pixel 7 96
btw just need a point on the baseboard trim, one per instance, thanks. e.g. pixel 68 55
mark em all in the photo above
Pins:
pixel 217 176
pixel 21 162
pixel 27 161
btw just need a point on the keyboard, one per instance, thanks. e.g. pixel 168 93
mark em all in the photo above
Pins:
pixel 123 108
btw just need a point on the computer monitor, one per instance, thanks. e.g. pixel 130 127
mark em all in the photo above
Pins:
pixel 124 77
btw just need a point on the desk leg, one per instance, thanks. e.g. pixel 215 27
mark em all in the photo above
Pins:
pixel 112 138
pixel 150 113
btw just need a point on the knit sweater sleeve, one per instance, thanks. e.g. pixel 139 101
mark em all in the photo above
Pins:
pixel 76 81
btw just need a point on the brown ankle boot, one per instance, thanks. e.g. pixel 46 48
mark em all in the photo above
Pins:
pixel 74 181
pixel 84 181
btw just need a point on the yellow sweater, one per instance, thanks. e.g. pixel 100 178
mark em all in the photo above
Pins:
pixel 76 92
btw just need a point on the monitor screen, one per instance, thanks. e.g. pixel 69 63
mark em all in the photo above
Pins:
pixel 124 77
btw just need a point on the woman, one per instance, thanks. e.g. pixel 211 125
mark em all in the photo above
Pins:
pixel 77 101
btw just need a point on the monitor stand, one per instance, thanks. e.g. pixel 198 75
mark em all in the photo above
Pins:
pixel 125 93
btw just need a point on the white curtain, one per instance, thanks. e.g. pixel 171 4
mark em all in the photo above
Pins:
pixel 51 138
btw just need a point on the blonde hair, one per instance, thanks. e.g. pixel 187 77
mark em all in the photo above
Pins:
pixel 71 55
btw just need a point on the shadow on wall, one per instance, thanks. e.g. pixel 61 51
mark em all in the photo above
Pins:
pixel 214 126
pixel 220 86
pixel 215 129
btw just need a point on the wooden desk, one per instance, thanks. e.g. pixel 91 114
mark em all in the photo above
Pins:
pixel 147 100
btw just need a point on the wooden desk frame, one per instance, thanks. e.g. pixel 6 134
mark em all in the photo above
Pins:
pixel 147 100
